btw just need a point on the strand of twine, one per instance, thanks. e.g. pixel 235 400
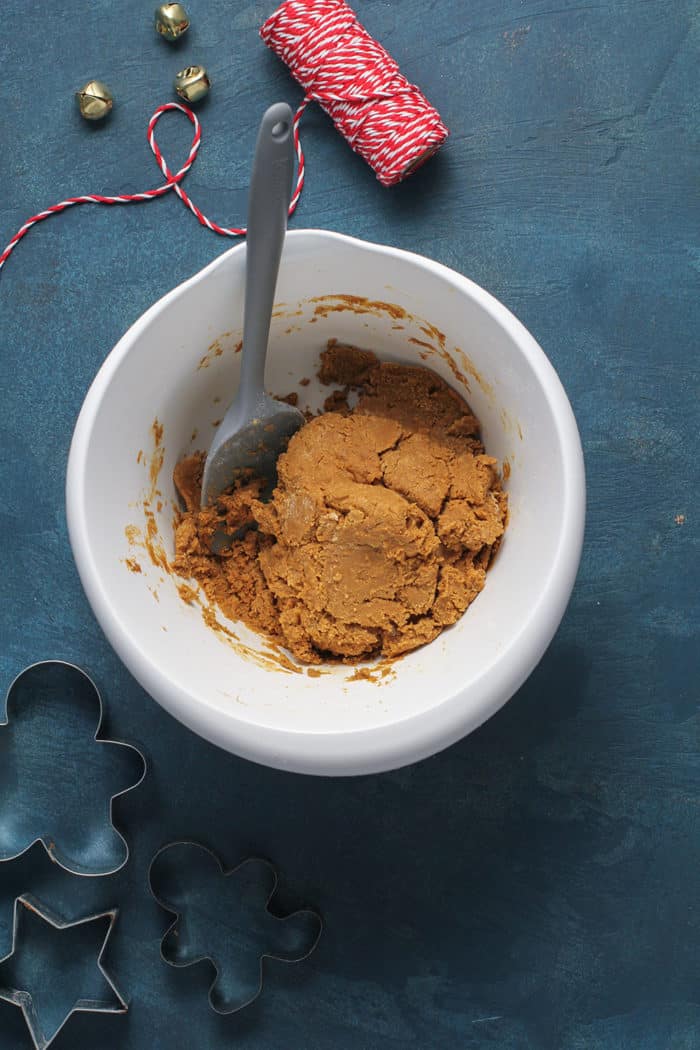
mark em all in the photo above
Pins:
pixel 173 182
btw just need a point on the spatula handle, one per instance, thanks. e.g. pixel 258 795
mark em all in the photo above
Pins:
pixel 268 204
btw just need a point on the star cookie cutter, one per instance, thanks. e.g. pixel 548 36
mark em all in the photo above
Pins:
pixel 46 794
pixel 25 907
pixel 223 917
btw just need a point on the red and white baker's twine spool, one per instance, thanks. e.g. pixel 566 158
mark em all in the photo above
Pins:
pixel 172 183
pixel 385 119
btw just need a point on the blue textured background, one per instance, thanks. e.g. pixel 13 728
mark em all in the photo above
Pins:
pixel 536 886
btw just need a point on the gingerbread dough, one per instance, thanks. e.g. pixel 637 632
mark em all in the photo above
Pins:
pixel 381 528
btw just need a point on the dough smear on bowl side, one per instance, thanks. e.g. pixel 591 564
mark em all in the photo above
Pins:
pixel 380 531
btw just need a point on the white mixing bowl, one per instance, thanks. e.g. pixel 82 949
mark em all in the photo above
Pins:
pixel 178 364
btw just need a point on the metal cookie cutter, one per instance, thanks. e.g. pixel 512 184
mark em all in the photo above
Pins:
pixel 223 917
pixel 44 1008
pixel 52 777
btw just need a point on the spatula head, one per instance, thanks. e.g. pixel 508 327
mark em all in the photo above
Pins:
pixel 245 447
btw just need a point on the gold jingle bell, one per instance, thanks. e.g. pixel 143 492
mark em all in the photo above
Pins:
pixel 192 83
pixel 172 21
pixel 95 100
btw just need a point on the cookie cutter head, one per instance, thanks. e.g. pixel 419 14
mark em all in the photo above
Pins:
pixel 223 916
pixel 53 776
pixel 58 952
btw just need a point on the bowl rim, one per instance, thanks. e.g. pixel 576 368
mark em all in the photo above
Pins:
pixel 379 748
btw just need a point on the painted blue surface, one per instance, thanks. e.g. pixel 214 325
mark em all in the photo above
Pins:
pixel 536 886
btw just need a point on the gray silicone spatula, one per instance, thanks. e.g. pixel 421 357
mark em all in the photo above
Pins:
pixel 256 427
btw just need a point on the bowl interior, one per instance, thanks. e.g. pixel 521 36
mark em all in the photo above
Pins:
pixel 160 395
